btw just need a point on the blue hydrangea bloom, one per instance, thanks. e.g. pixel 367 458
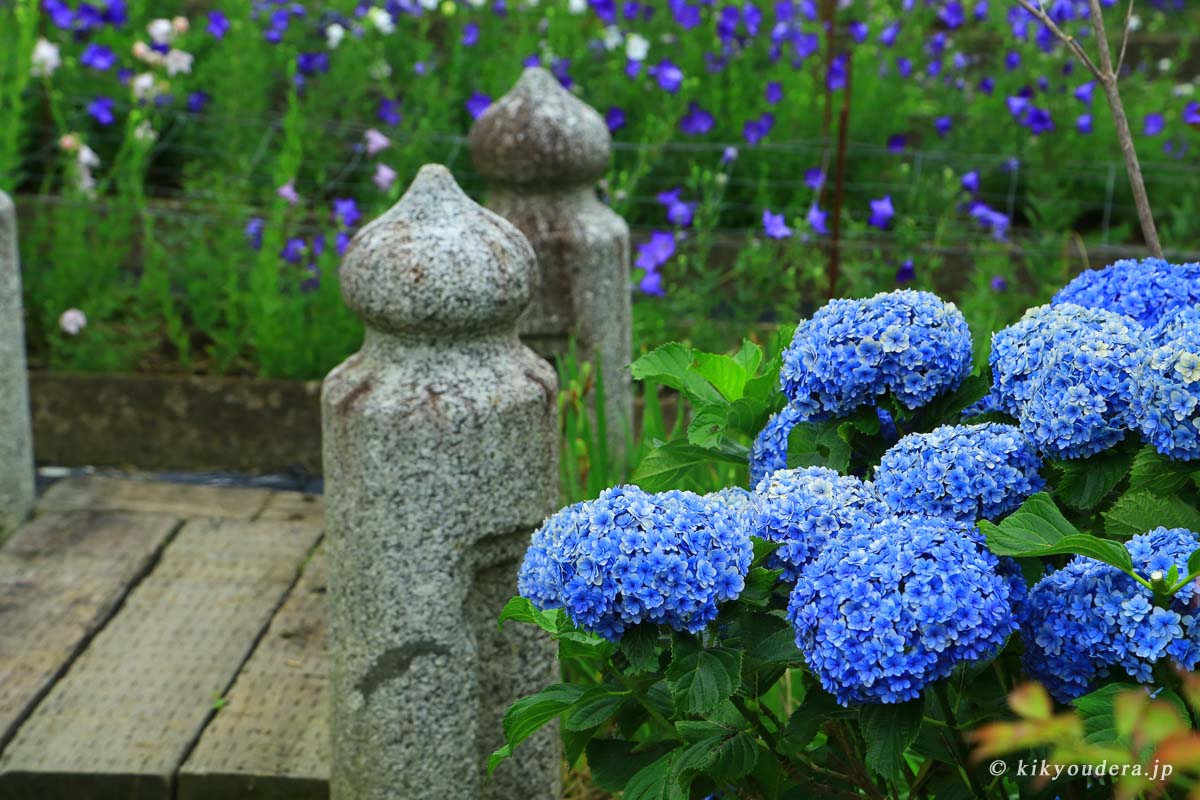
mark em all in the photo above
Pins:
pixel 890 608
pixel 805 509
pixel 907 343
pixel 1173 324
pixel 964 472
pixel 1088 620
pixel 1166 400
pixel 770 449
pixel 1144 290
pixel 629 557
pixel 1065 372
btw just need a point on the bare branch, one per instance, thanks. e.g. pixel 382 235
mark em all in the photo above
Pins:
pixel 1124 39
pixel 1124 136
pixel 1062 36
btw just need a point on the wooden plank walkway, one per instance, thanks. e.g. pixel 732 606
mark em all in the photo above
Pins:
pixel 163 641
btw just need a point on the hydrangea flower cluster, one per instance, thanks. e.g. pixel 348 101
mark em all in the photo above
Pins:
pixel 1167 396
pixel 1065 372
pixel 908 343
pixel 770 449
pixel 964 472
pixel 629 557
pixel 806 509
pixel 1088 619
pixel 1144 290
pixel 893 606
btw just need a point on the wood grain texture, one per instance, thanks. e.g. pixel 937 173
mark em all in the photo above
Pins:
pixel 61 578
pixel 124 717
pixel 295 507
pixel 270 741
pixel 179 499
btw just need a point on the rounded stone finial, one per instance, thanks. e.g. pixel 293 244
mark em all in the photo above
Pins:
pixel 437 263
pixel 539 133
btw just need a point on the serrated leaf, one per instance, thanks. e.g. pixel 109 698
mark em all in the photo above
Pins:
pixel 818 444
pixel 529 714
pixel 613 762
pixel 1156 473
pixel 701 679
pixel 1083 544
pixel 747 415
pixel 1193 562
pixel 640 646
pixel 763 550
pixel 1037 523
pixel 760 583
pixel 672 365
pixel 818 708
pixel 1142 511
pixel 948 407
pixel 1086 482
pixel 697 755
pixel 779 648
pixel 749 356
pixel 1096 710
pixel 520 609
pixel 574 743
pixel 694 730
pixel 667 465
pixel 726 373
pixel 654 783
pixel 888 729
pixel 707 426
pixel 733 757
pixel 597 705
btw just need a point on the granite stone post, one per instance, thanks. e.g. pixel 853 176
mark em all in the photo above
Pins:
pixel 542 150
pixel 16 441
pixel 440 450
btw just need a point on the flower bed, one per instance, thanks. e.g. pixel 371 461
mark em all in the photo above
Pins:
pixel 255 138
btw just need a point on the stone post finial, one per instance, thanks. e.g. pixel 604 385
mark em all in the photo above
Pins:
pixel 440 458
pixel 437 264
pixel 16 441
pixel 542 150
pixel 540 134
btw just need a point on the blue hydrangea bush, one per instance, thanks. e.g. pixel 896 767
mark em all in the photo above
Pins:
pixel 859 543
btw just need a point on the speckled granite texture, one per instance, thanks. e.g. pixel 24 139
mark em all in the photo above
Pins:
pixel 440 448
pixel 542 151
pixel 16 443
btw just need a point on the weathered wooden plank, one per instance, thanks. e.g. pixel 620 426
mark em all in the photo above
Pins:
pixel 295 507
pixel 270 739
pixel 181 499
pixel 121 721
pixel 61 577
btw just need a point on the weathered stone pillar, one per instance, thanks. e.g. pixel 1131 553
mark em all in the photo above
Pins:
pixel 440 450
pixel 16 441
pixel 542 150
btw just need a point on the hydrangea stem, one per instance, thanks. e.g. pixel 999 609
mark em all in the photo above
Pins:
pixel 772 741
pixel 957 744
pixel 645 703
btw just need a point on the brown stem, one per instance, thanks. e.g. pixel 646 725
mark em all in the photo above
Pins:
pixel 858 771
pixel 1109 81
pixel 1124 39
pixel 828 16
pixel 1067 39
pixel 772 741
pixel 954 740
pixel 839 180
